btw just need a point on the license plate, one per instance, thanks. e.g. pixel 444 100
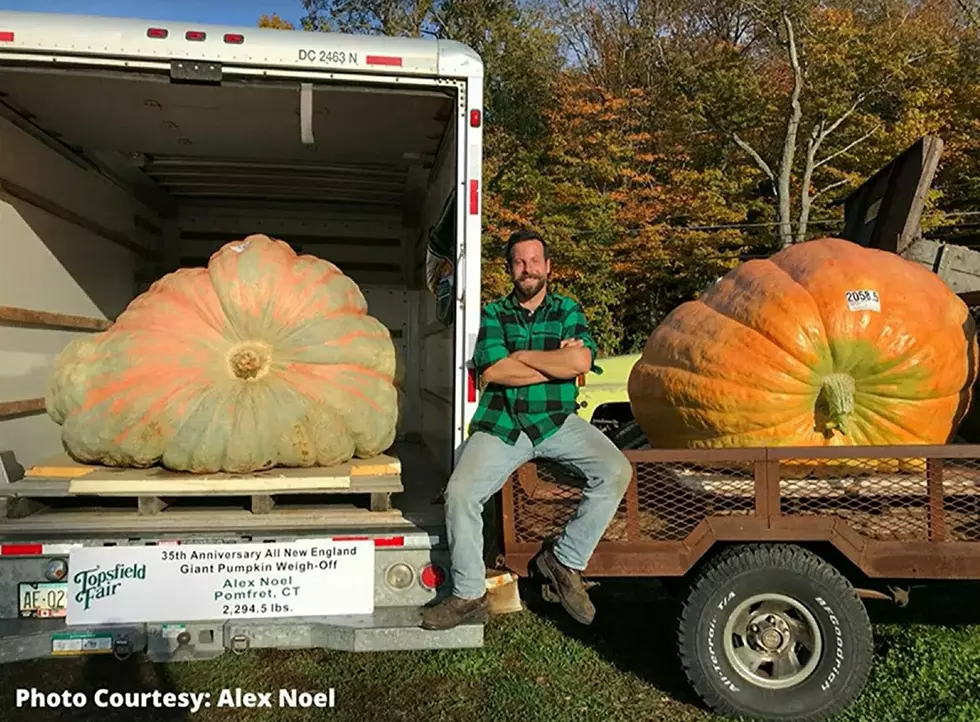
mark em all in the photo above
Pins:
pixel 42 600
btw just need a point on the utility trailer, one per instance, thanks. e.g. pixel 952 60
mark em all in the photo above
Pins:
pixel 129 149
pixel 771 550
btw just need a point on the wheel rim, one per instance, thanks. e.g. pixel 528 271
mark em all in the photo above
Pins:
pixel 773 641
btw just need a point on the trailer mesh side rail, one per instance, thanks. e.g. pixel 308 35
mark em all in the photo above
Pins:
pixel 909 512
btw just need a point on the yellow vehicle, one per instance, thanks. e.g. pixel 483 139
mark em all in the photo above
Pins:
pixel 604 402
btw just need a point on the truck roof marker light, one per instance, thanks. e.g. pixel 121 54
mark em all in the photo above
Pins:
pixel 388 60
pixel 234 38
pixel 196 36
pixel 157 33
pixel 6 36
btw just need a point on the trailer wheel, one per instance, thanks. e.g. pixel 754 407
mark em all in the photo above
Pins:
pixel 775 633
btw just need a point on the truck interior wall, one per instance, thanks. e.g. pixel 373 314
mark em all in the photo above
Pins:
pixel 71 242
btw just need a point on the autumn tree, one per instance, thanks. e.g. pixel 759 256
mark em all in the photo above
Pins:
pixel 796 87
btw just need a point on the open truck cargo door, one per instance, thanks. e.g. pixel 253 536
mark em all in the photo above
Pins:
pixel 886 212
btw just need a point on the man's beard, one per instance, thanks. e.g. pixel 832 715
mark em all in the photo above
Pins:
pixel 540 281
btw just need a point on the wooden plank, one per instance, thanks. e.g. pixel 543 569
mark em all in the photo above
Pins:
pixel 205 520
pixel 58 472
pixel 380 474
pixel 49 487
pixel 60 466
pixel 49 319
pixel 958 266
pixel 150 505
pixel 383 466
pixel 35 488
pixel 11 508
pixel 69 216
pixel 262 503
pixel 21 407
pixel 63 466
pixel 380 502
pixel 97 484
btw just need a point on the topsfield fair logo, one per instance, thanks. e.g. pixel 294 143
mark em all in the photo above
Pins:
pixel 97 583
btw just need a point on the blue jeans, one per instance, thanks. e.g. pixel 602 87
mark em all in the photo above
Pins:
pixel 485 466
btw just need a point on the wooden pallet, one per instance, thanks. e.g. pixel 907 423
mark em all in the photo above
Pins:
pixel 61 477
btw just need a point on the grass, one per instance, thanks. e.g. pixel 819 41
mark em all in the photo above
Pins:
pixel 540 666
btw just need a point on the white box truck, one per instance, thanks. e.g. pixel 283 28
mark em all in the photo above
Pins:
pixel 131 148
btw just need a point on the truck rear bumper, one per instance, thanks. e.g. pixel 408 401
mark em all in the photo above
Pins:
pixel 387 629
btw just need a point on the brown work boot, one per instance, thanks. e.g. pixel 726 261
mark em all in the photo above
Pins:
pixel 568 585
pixel 453 611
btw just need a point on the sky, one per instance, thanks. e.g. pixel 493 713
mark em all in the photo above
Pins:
pixel 220 12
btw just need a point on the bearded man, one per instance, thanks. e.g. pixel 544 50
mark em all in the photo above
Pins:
pixel 532 346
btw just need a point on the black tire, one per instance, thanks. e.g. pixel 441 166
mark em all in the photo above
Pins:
pixel 840 640
pixel 629 435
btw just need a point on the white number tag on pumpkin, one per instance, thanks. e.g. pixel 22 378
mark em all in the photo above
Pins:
pixel 240 247
pixel 863 300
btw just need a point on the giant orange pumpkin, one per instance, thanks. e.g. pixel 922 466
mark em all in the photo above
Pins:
pixel 263 358
pixel 825 343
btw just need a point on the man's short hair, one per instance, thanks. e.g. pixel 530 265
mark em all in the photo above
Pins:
pixel 521 236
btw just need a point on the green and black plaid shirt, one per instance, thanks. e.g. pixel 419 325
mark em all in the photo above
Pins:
pixel 539 409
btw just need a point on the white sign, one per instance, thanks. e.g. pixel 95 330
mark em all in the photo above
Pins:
pixel 311 577
pixel 863 300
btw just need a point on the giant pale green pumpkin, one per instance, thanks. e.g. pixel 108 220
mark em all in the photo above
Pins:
pixel 263 358
pixel 825 343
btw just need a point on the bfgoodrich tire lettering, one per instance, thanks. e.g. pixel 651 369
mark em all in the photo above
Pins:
pixel 798 643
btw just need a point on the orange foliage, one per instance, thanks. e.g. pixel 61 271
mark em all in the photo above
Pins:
pixel 275 22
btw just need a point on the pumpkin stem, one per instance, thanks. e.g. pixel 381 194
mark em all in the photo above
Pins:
pixel 249 361
pixel 837 392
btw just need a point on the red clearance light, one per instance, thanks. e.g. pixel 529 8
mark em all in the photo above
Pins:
pixel 21 550
pixel 195 35
pixel 234 38
pixel 6 36
pixel 432 576
pixel 390 541
pixel 384 60
pixel 157 33
pixel 474 197
pixel 475 118
pixel 471 386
